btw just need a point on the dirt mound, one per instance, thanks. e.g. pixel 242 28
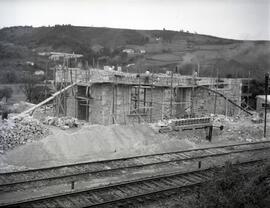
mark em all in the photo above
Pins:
pixel 94 142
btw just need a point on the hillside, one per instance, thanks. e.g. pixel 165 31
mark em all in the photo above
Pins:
pixel 164 50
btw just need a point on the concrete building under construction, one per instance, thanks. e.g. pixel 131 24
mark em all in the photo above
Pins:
pixel 108 97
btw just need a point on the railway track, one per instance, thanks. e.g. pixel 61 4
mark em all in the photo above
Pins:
pixel 127 192
pixel 26 179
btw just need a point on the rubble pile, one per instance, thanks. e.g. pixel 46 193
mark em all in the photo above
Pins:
pixel 62 122
pixel 14 132
pixel 45 108
pixel 238 128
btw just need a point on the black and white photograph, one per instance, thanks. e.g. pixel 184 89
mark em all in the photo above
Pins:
pixel 134 103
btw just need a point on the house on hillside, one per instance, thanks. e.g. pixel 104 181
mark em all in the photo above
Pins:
pixel 39 73
pixel 30 63
pixel 142 51
pixel 129 51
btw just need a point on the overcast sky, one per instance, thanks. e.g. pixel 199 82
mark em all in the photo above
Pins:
pixel 237 19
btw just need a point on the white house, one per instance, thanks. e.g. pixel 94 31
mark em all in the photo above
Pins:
pixel 142 51
pixel 128 51
pixel 39 73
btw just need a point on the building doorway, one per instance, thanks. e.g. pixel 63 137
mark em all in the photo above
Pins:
pixel 83 109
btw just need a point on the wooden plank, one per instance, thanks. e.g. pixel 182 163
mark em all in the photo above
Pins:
pixel 238 106
pixel 47 100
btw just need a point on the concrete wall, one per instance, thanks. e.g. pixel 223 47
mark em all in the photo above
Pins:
pixel 260 103
pixel 204 101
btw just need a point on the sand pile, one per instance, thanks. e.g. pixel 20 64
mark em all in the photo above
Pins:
pixel 92 143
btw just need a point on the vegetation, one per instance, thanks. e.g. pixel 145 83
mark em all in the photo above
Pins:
pixel 233 188
pixel 6 93
pixel 33 91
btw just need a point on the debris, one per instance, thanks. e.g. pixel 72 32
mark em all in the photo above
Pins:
pixel 14 132
pixel 62 122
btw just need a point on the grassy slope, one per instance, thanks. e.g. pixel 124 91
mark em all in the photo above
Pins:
pixel 237 58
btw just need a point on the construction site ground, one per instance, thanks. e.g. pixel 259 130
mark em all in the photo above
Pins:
pixel 98 142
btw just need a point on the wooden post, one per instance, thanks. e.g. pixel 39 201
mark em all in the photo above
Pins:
pixel 55 95
pixel 248 88
pixel 139 91
pixel 192 102
pixel 87 110
pixel 162 106
pixel 123 105
pixel 210 133
pixel 151 103
pixel 76 106
pixel 215 104
pixel 113 104
pixel 226 107
pixel 265 104
pixel 171 105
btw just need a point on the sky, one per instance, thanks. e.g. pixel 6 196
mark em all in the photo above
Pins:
pixel 236 19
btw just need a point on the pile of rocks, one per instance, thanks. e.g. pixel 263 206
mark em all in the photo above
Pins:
pixel 45 108
pixel 62 122
pixel 14 132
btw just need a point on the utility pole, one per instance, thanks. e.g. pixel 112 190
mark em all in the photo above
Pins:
pixel 265 104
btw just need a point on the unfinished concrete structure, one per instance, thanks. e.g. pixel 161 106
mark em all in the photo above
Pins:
pixel 108 97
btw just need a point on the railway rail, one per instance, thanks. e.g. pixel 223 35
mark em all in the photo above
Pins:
pixel 19 180
pixel 126 192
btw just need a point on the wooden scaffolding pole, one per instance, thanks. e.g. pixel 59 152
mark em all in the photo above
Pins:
pixel 171 105
pixel 47 100
pixel 229 100
pixel 151 102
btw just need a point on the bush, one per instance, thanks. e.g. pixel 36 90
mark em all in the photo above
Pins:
pixel 6 93
pixel 232 188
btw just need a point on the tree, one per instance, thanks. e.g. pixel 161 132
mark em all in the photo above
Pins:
pixel 35 93
pixel 11 77
pixel 6 93
pixel 29 88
